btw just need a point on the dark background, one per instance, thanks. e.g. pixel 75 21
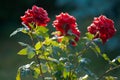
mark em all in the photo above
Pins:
pixel 83 10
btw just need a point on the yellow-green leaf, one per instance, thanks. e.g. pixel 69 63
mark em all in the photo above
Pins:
pixel 18 75
pixel 47 41
pixel 36 72
pixel 23 52
pixel 106 57
pixel 38 45
pixel 89 36
pixel 110 78
pixel 118 59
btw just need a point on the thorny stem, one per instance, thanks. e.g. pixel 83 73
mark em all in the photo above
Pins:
pixel 30 34
pixel 109 70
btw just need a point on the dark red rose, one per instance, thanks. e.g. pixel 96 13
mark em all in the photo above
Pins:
pixel 36 16
pixel 102 28
pixel 66 24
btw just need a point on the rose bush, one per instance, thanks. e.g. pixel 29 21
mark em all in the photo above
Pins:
pixel 56 56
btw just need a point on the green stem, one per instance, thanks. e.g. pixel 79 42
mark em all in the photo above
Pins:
pixel 40 67
pixel 30 34
pixel 49 68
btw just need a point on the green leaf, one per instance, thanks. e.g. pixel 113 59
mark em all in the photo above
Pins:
pixel 23 52
pixel 18 75
pixel 41 31
pixel 25 30
pixel 95 48
pixel 53 60
pixel 16 31
pixel 56 33
pixel 54 43
pixel 106 57
pixel 23 44
pixel 36 72
pixel 44 68
pixel 110 78
pixel 118 59
pixel 27 51
pixel 38 45
pixel 89 36
pixel 65 73
pixel 30 53
pixel 47 41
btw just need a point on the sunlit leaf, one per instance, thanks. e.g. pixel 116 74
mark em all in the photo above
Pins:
pixel 47 41
pixel 27 51
pixel 118 59
pixel 65 73
pixel 46 53
pixel 38 45
pixel 56 33
pixel 41 31
pixel 62 46
pixel 36 72
pixel 23 52
pixel 110 78
pixel 106 57
pixel 41 57
pixel 89 36
pixel 18 75
pixel 54 43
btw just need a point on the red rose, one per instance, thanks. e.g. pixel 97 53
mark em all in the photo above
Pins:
pixel 66 24
pixel 36 16
pixel 102 28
